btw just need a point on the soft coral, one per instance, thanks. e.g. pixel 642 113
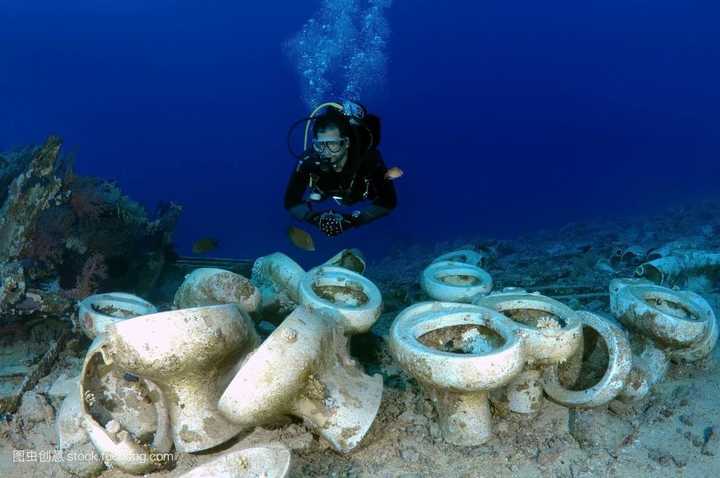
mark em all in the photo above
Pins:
pixel 92 274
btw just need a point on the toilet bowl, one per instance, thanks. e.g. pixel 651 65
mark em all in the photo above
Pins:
pixel 551 333
pixel 114 440
pixel 681 323
pixel 303 369
pixel 449 281
pixel 186 352
pixel 613 381
pixel 466 256
pixel 277 277
pixel 457 352
pixel 212 286
pixel 354 298
pixel 704 346
pixel 270 461
pixel 351 259
pixel 98 311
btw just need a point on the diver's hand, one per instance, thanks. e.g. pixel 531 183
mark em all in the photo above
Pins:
pixel 331 223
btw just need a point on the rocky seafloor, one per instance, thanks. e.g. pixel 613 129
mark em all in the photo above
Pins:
pixel 675 431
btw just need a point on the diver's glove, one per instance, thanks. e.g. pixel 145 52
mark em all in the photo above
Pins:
pixel 332 223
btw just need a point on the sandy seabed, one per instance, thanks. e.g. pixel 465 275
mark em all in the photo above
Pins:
pixel 674 432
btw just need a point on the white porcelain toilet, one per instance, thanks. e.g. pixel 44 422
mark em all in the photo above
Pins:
pixel 106 418
pixel 353 297
pixel 458 353
pixel 551 332
pixel 450 281
pixel 186 353
pixel 680 322
pixel 303 369
pixel 98 311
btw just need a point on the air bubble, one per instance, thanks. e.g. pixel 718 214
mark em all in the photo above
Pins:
pixel 341 51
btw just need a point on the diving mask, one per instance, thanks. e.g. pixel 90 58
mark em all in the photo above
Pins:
pixel 329 146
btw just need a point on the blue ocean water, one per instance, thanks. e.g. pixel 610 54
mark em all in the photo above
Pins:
pixel 505 116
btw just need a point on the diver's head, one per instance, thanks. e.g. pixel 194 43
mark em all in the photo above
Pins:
pixel 331 138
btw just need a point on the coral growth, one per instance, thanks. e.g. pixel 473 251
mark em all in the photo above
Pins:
pixel 94 271
pixel 75 231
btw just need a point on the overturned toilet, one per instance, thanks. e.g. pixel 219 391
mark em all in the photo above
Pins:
pixel 125 417
pixel 458 353
pixel 278 278
pixel 188 353
pixel 303 369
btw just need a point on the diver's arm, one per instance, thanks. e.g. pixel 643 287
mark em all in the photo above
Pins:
pixel 294 194
pixel 386 199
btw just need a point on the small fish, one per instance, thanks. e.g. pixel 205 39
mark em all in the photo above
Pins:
pixel 301 239
pixel 206 244
pixel 393 173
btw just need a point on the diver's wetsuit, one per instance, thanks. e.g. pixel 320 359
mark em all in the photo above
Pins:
pixel 360 180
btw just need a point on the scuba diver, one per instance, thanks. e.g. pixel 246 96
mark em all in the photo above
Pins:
pixel 342 164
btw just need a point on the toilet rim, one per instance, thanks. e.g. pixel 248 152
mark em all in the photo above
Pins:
pixel 613 380
pixel 452 268
pixel 332 275
pixel 698 313
pixel 132 302
pixel 518 301
pixel 425 317
pixel 162 438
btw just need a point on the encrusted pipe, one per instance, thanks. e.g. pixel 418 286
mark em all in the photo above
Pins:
pixel 303 369
pixel 458 353
pixel 668 270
